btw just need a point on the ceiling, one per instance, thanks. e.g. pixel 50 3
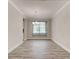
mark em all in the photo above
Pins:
pixel 39 8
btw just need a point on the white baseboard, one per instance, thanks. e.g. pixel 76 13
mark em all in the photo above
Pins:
pixel 68 50
pixel 10 50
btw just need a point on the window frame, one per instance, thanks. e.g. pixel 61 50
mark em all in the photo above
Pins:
pixel 40 34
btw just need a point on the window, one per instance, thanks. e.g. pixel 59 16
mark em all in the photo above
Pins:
pixel 39 28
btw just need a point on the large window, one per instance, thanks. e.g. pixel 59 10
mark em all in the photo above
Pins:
pixel 39 28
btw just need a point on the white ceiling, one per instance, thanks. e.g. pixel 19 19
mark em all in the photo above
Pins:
pixel 39 8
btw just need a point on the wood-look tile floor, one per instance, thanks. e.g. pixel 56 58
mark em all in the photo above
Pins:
pixel 39 49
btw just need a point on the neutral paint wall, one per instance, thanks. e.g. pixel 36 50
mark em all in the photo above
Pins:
pixel 60 28
pixel 28 31
pixel 15 26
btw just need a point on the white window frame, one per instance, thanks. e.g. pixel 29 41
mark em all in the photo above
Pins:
pixel 41 34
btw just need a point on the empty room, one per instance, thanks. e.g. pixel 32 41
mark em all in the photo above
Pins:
pixel 38 29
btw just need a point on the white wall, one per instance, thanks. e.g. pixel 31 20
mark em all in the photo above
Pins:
pixel 15 26
pixel 28 31
pixel 60 27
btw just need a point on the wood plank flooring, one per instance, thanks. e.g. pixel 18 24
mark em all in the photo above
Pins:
pixel 39 49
